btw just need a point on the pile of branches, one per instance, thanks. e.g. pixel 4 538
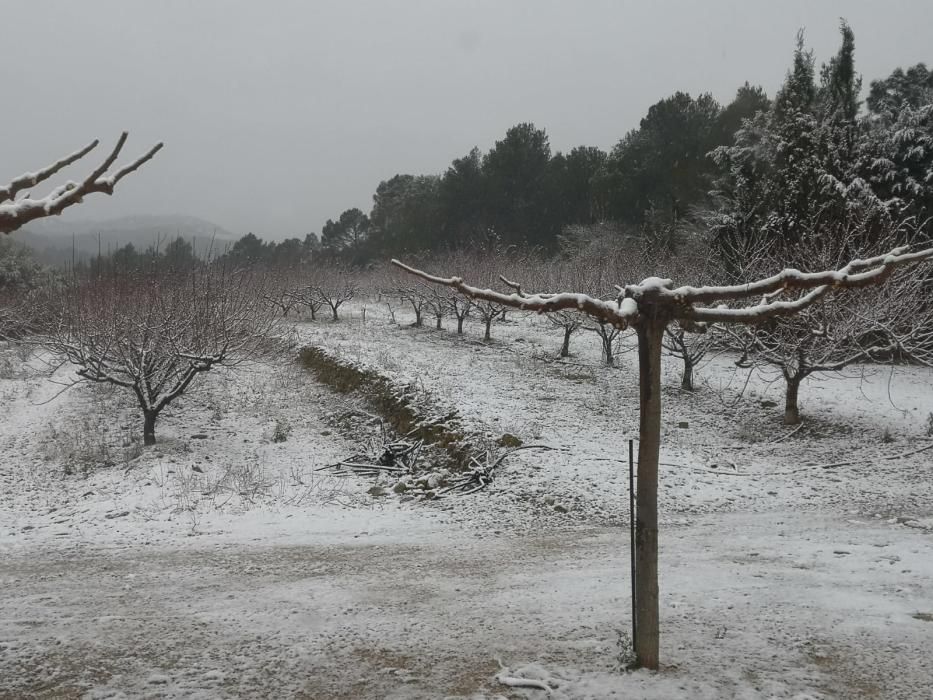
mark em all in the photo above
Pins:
pixel 392 458
pixel 482 473
pixel 399 458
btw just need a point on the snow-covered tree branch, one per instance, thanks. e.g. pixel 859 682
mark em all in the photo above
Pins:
pixel 15 213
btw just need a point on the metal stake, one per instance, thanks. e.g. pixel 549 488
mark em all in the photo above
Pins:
pixel 631 520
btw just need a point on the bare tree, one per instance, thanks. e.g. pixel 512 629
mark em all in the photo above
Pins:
pixel 561 273
pixel 415 295
pixel 153 334
pixel 333 286
pixel 437 305
pixel 896 322
pixel 15 213
pixel 307 297
pixel 650 307
pixel 689 348
pixel 283 294
pixel 460 306
pixel 691 260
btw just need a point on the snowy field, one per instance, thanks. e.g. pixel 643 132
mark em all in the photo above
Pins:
pixel 220 564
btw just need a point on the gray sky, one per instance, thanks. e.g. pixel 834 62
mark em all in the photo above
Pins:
pixel 278 115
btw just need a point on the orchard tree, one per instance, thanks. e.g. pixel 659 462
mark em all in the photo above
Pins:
pixel 333 286
pixel 16 211
pixel 650 307
pixel 155 332
pixel 894 323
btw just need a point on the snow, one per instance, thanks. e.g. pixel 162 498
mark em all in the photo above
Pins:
pixel 793 582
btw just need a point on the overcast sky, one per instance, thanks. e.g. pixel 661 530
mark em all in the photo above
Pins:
pixel 278 115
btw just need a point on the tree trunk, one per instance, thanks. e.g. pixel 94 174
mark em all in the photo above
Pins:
pixel 791 412
pixel 417 317
pixel 488 336
pixel 439 318
pixel 565 348
pixel 650 335
pixel 608 357
pixel 149 421
pixel 460 325
pixel 686 382
pixel 334 309
pixel 313 313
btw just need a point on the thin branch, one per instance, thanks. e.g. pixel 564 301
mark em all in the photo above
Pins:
pixel 25 180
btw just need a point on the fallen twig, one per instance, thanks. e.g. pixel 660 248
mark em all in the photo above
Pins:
pixel 516 682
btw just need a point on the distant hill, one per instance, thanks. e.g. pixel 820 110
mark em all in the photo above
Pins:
pixel 51 239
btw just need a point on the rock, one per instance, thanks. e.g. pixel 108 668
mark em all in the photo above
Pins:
pixel 120 514
pixel 509 441
pixel 199 436
pixel 683 424
pixel 549 500
pixel 325 433
pixel 377 491
pixel 400 487
pixel 767 403
pixel 560 509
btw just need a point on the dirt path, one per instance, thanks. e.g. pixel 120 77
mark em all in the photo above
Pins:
pixel 752 607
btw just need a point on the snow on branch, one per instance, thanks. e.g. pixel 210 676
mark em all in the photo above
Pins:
pixel 16 213
pixel 618 313
pixel 858 273
pixel 681 302
pixel 25 180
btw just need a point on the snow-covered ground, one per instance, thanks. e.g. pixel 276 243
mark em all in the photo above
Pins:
pixel 220 564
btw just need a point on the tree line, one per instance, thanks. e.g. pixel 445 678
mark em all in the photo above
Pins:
pixel 747 173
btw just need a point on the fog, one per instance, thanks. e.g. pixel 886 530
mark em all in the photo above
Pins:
pixel 277 116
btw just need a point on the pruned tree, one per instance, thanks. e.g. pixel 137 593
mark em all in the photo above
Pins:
pixel 650 307
pixel 15 213
pixel 560 273
pixel 483 266
pixel 415 295
pixel 693 259
pixel 460 307
pixel 437 305
pixel 282 293
pixel 894 323
pixel 305 296
pixel 155 333
pixel 689 348
pixel 333 286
